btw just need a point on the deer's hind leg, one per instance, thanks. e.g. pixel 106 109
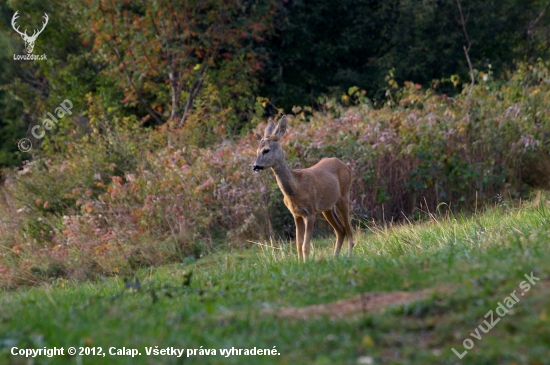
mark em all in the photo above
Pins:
pixel 343 207
pixel 331 217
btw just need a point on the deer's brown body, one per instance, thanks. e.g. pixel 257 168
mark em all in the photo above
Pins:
pixel 323 188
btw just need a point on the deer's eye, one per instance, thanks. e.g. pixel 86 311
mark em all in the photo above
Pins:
pixel 265 151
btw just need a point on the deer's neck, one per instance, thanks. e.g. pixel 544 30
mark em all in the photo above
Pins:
pixel 285 178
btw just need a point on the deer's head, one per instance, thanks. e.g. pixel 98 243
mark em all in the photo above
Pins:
pixel 270 150
pixel 29 39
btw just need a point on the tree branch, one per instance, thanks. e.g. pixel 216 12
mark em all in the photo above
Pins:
pixel 193 94
pixel 141 99
pixel 467 49
pixel 539 17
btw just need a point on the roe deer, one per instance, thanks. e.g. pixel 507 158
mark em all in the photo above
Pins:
pixel 322 188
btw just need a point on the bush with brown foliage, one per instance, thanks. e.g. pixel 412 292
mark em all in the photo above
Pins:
pixel 121 197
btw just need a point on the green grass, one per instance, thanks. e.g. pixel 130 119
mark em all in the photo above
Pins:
pixel 479 260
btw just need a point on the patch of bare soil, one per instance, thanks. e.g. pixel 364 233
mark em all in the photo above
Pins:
pixel 360 304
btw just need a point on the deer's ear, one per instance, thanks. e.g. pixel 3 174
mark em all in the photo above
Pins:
pixel 269 129
pixel 281 128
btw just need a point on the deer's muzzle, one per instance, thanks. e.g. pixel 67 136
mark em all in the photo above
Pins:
pixel 257 168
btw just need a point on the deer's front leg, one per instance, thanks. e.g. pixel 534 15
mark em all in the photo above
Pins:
pixel 300 230
pixel 310 220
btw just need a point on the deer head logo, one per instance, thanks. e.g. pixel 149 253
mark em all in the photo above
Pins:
pixel 29 39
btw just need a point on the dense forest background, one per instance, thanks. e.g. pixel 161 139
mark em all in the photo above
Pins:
pixel 211 60
pixel 438 106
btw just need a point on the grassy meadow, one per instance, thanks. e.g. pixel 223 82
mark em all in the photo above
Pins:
pixel 424 289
